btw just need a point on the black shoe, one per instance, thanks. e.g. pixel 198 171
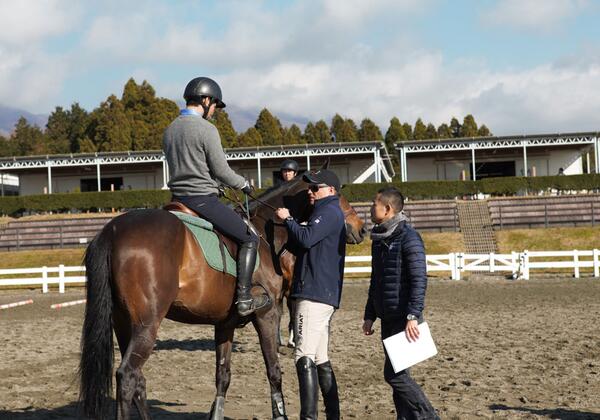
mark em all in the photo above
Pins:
pixel 308 385
pixel 329 390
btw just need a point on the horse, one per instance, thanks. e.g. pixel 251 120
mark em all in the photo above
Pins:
pixel 145 266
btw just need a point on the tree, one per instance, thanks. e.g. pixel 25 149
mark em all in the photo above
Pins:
pixel 6 147
pixel 225 127
pixel 148 115
pixel 484 131
pixel 292 135
pixel 111 127
pixel 322 133
pixel 78 125
pixel 251 137
pixel 443 131
pixel 394 134
pixel 369 131
pixel 408 131
pixel 337 126
pixel 87 146
pixel 431 131
pixel 455 128
pixel 269 128
pixel 420 132
pixel 28 139
pixel 469 127
pixel 58 129
pixel 310 134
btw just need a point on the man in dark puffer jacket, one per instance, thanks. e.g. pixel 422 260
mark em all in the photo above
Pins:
pixel 397 294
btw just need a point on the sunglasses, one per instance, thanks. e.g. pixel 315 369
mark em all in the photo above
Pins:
pixel 316 187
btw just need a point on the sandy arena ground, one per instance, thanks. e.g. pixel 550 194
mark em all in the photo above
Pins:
pixel 506 350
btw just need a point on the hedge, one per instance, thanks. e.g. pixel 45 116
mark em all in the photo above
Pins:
pixel 421 190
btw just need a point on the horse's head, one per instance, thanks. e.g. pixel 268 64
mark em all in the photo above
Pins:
pixel 294 196
pixel 355 226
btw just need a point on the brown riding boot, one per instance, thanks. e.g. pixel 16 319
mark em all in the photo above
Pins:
pixel 246 304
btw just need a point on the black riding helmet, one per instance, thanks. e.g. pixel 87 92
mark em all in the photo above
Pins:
pixel 289 164
pixel 201 87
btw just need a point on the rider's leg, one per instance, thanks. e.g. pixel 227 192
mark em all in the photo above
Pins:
pixel 230 223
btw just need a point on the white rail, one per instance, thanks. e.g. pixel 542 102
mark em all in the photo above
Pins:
pixel 519 264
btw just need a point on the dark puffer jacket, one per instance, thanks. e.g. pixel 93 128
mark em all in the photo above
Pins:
pixel 398 277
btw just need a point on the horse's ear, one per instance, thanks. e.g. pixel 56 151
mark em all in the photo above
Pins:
pixel 326 164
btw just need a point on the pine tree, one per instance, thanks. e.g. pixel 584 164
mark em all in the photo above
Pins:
pixel 310 134
pixel 269 128
pixel 431 131
pixel 484 131
pixel 225 127
pixel 292 135
pixel 455 128
pixel 58 130
pixel 469 127
pixel 369 131
pixel 28 140
pixel 87 146
pixel 408 131
pixel 337 126
pixel 394 134
pixel 420 132
pixel 443 131
pixel 322 133
pixel 111 127
pixel 249 138
pixel 6 147
pixel 78 125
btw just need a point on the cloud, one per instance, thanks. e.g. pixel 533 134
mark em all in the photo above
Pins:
pixel 533 14
pixel 24 22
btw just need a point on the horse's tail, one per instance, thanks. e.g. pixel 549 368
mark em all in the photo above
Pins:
pixel 97 352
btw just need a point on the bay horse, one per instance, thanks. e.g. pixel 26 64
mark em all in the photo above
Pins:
pixel 145 266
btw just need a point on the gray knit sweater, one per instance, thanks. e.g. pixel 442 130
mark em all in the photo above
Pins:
pixel 196 158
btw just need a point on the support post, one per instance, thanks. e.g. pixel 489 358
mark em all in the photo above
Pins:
pixel 307 160
pixel 576 263
pixel 492 262
pixel 165 169
pixel 44 279
pixel 2 182
pixel 61 278
pixel 596 154
pixel 259 170
pixel 98 174
pixel 524 157
pixel 49 178
pixel 525 264
pixel 473 168
pixel 596 256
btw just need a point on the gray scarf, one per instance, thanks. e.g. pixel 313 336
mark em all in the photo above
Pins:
pixel 385 229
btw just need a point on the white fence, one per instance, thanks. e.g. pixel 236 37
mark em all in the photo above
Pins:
pixel 519 264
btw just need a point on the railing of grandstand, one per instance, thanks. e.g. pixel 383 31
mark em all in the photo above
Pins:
pixel 517 264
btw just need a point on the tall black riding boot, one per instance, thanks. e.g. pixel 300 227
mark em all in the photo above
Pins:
pixel 329 390
pixel 309 392
pixel 246 260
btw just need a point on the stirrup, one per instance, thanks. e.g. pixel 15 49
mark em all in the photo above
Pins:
pixel 248 306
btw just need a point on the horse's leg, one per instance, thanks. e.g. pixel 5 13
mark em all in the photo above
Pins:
pixel 131 384
pixel 266 325
pixel 224 345
pixel 279 335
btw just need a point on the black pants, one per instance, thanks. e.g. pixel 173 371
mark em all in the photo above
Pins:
pixel 410 401
pixel 224 219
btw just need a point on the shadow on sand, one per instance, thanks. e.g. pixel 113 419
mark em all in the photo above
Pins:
pixel 201 344
pixel 553 413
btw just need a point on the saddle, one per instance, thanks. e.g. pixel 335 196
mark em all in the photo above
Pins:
pixel 225 244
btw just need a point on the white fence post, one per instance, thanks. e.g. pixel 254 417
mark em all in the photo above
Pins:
pixel 515 267
pixel 45 279
pixel 525 264
pixel 61 278
pixel 452 264
pixel 459 264
pixel 576 263
pixel 596 263
pixel 492 267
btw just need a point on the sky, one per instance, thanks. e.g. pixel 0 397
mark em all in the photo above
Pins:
pixel 519 66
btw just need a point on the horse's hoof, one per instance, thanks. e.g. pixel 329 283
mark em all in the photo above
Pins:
pixel 217 411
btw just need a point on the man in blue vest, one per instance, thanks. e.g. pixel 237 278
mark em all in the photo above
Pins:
pixel 397 294
pixel 317 290
pixel 197 165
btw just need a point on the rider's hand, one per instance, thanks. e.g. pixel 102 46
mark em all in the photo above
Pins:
pixel 282 213
pixel 247 188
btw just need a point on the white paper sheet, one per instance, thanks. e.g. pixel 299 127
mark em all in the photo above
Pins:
pixel 404 354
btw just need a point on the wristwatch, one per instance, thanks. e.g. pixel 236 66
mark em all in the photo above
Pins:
pixel 411 317
pixel 289 218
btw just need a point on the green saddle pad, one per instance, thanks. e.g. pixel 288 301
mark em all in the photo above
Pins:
pixel 209 242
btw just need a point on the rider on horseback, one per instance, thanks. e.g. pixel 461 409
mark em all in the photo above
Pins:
pixel 197 164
